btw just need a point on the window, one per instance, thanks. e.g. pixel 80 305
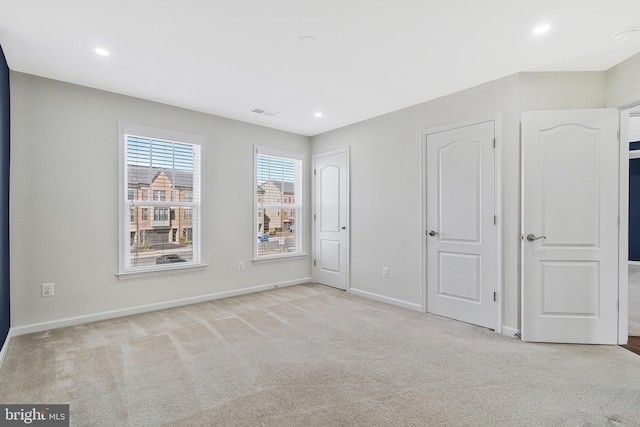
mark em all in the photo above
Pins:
pixel 161 165
pixel 188 214
pixel 161 214
pixel 159 195
pixel 278 189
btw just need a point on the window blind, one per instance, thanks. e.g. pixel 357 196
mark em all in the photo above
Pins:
pixel 163 180
pixel 278 199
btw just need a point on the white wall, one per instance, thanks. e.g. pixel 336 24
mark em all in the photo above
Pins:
pixel 634 128
pixel 562 90
pixel 623 83
pixel 64 198
pixel 386 188
pixel 386 192
pixel 64 191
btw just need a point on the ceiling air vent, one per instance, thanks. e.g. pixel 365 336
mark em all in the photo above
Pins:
pixel 263 112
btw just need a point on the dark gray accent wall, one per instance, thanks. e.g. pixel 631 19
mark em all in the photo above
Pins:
pixel 5 315
pixel 634 205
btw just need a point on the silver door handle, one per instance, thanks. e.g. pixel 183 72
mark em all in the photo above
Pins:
pixel 433 233
pixel 532 237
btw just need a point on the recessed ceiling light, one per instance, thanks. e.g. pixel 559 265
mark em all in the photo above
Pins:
pixel 541 29
pixel 624 35
pixel 317 115
pixel 100 51
pixel 307 40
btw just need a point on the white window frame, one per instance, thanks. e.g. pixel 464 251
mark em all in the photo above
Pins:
pixel 299 218
pixel 125 270
pixel 159 193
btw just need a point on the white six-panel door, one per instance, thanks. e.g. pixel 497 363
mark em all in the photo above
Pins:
pixel 330 219
pixel 570 226
pixel 461 244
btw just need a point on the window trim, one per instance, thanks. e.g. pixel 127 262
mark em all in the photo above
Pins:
pixel 123 234
pixel 300 222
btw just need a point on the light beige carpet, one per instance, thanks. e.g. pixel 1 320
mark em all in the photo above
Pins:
pixel 314 356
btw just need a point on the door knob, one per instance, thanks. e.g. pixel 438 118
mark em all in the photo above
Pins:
pixel 433 233
pixel 532 237
pixel 343 227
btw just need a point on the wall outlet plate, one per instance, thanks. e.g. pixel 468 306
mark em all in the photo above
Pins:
pixel 47 290
pixel 240 266
pixel 385 272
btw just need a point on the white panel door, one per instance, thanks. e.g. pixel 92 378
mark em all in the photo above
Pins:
pixel 570 226
pixel 331 209
pixel 461 245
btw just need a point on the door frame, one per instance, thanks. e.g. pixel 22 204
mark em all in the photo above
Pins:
pixel 497 190
pixel 313 212
pixel 626 108
pixel 626 111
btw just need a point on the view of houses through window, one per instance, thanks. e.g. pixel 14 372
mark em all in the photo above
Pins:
pixel 278 203
pixel 160 195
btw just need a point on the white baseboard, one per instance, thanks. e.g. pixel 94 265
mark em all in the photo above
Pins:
pixel 510 332
pixel 388 300
pixel 5 347
pixel 72 321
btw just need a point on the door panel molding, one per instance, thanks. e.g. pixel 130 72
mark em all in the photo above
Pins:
pixel 497 209
pixel 330 220
pixel 570 183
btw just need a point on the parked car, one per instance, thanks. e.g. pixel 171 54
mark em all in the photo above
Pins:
pixel 263 237
pixel 169 259
pixel 292 228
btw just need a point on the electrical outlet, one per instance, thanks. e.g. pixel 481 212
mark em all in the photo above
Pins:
pixel 385 272
pixel 47 290
pixel 240 266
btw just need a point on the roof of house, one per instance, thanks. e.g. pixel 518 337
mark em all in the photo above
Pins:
pixel 284 186
pixel 144 175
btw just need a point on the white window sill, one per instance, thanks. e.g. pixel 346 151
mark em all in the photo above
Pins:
pixel 160 272
pixel 276 258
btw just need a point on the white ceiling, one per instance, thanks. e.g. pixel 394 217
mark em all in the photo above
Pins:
pixel 370 57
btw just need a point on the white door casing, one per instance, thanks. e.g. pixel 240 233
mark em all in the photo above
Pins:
pixel 570 173
pixel 331 219
pixel 460 220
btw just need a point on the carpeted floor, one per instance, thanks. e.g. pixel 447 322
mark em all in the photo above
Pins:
pixel 314 356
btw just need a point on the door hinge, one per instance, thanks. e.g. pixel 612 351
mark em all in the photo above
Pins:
pixel 495 220
pixel 618 132
pixel 495 297
pixel 494 143
pixel 314 171
pixel 314 262
pixel 314 217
